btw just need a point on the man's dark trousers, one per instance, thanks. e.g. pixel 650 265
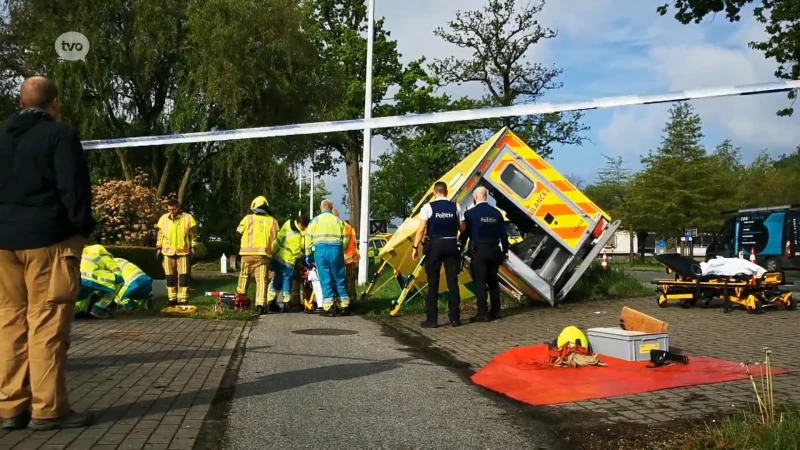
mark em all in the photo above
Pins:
pixel 485 263
pixel 441 252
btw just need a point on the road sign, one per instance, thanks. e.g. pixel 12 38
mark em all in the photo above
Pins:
pixel 662 244
pixel 378 226
pixel 688 237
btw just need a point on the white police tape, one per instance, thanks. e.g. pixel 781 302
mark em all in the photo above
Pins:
pixel 441 117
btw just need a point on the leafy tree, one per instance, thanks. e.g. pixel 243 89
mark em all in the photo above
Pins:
pixel 336 28
pixel 781 19
pixel 500 38
pixel 127 211
pixel 674 192
pixel 615 185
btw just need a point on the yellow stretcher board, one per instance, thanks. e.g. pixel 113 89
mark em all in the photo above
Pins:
pixel 562 230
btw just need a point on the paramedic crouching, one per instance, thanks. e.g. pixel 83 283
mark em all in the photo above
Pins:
pixel 442 220
pixel 488 245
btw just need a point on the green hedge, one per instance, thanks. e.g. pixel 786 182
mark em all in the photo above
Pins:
pixel 143 257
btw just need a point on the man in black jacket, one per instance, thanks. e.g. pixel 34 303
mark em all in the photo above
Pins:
pixel 45 218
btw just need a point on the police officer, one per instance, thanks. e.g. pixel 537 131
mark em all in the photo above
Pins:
pixel 442 220
pixel 488 245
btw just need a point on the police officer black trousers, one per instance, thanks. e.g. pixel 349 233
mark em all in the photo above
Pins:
pixel 485 264
pixel 438 253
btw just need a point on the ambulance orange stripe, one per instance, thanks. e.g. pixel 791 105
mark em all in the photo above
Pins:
pixel 484 165
pixel 563 186
pixel 588 208
pixel 537 164
pixel 556 210
pixel 506 140
pixel 568 233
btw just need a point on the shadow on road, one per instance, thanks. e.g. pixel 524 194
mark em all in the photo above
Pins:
pixel 266 384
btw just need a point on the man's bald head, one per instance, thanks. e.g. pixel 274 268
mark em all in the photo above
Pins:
pixel 335 212
pixel 40 93
pixel 480 194
pixel 326 205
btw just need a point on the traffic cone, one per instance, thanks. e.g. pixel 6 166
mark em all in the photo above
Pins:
pixel 753 255
pixel 604 262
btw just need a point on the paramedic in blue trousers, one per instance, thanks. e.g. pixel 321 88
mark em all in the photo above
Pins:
pixel 327 236
pixel 441 219
pixel 488 249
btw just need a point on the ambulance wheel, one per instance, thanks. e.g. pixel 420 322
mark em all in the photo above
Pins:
pixel 792 304
pixel 662 301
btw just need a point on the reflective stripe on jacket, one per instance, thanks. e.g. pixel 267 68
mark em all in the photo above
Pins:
pixel 99 270
pixel 176 237
pixel 325 229
pixel 289 244
pixel 351 250
pixel 258 235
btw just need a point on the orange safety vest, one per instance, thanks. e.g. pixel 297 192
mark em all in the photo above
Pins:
pixel 351 251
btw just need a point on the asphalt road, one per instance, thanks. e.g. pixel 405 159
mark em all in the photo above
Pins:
pixel 362 390
pixel 646 277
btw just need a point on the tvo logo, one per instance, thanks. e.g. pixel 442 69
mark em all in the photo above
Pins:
pixel 72 46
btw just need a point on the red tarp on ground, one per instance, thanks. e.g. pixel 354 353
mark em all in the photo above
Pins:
pixel 520 373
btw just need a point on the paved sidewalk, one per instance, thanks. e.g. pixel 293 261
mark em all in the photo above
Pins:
pixel 736 336
pixel 150 382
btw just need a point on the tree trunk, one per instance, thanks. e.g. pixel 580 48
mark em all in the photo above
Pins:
pixel 155 166
pixel 353 184
pixel 630 248
pixel 185 181
pixel 162 182
pixel 127 170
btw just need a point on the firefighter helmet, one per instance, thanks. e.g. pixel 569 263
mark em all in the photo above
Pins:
pixel 573 335
pixel 259 202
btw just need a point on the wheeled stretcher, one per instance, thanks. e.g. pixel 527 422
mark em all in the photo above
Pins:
pixel 691 286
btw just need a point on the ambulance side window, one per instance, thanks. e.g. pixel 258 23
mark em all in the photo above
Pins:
pixel 517 181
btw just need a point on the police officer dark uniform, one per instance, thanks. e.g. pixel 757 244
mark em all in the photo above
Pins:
pixel 488 245
pixel 441 219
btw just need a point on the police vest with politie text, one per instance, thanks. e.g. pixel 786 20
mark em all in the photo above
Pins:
pixel 486 225
pixel 444 220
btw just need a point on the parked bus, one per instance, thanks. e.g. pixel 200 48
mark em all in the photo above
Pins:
pixel 771 232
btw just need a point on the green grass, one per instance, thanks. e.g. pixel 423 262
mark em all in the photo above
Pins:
pixel 745 431
pixel 646 267
pixel 596 284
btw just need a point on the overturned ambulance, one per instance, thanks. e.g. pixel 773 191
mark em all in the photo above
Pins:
pixel 562 230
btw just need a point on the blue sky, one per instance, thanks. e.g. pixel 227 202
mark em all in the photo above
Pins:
pixel 621 47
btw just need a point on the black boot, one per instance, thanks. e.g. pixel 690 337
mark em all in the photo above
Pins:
pixel 286 308
pixel 260 310
pixel 16 423
pixel 70 420
pixel 429 324
pixel 479 318
pixel 172 303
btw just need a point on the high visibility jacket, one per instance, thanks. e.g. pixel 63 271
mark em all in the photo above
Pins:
pixel 325 230
pixel 289 244
pixel 99 270
pixel 258 235
pixel 176 237
pixel 132 276
pixel 351 250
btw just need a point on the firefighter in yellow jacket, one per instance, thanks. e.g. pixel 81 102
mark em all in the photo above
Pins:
pixel 350 258
pixel 259 231
pixel 326 235
pixel 287 249
pixel 177 238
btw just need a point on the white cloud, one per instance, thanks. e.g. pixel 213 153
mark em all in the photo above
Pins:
pixel 749 121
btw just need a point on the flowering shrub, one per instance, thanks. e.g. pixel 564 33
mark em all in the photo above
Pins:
pixel 127 211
